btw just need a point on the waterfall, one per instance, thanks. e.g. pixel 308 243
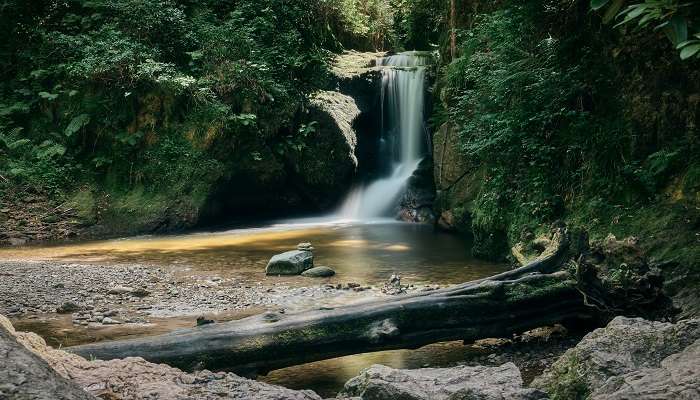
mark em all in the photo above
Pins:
pixel 401 142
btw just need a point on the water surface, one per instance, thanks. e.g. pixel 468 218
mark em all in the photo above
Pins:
pixel 367 253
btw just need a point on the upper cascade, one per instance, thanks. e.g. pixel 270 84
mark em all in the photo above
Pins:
pixel 403 139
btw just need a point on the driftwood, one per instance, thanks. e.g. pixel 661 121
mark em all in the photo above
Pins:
pixel 511 302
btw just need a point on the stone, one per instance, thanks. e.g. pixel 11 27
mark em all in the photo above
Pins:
pixel 319 272
pixel 67 308
pixel 380 382
pixel 393 286
pixel 305 246
pixel 416 203
pixel 204 321
pixel 15 241
pixel 25 375
pixel 290 263
pixel 678 377
pixel 110 321
pixel 120 290
pixel 140 292
pixel 630 358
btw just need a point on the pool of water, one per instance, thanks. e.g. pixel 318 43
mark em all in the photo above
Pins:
pixel 367 253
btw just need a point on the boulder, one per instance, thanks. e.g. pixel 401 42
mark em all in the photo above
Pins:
pixel 290 263
pixel 318 272
pixel 630 358
pixel 326 163
pixel 678 377
pixel 458 383
pixel 416 204
pixel 24 375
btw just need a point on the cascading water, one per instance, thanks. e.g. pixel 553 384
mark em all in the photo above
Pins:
pixel 401 144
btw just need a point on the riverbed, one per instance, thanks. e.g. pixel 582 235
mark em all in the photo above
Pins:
pixel 220 276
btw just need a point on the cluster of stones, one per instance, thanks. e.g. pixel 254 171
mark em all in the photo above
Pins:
pixel 297 262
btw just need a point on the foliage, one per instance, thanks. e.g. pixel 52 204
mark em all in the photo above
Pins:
pixel 172 100
pixel 678 19
pixel 558 128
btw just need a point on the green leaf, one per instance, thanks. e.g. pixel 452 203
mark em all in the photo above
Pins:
pixel 598 4
pixel 48 96
pixel 612 11
pixel 76 124
pixel 689 51
pixel 679 25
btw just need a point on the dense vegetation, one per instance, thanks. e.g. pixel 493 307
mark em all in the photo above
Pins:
pixel 579 110
pixel 141 106
pixel 567 117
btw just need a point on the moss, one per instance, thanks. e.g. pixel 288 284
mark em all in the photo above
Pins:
pixel 569 382
pixel 83 202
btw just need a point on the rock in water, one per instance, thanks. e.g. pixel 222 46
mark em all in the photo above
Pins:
pixel 485 383
pixel 290 263
pixel 305 246
pixel 318 272
pixel 393 286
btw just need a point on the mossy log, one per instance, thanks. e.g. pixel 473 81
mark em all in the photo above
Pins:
pixel 499 306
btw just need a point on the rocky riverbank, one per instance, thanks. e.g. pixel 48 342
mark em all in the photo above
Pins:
pixel 133 293
pixel 81 296
pixel 630 358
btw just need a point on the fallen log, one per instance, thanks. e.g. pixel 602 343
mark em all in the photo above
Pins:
pixel 511 302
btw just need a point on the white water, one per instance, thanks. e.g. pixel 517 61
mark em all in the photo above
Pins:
pixel 403 99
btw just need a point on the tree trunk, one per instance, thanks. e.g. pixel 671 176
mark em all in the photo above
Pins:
pixel 453 30
pixel 499 306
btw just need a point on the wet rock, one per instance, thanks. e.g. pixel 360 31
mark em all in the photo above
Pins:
pixel 416 204
pixel 290 263
pixel 318 272
pixel 67 308
pixel 627 355
pixel 459 383
pixel 204 321
pixel 393 286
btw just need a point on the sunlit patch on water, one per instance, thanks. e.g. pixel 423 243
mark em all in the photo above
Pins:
pixel 367 253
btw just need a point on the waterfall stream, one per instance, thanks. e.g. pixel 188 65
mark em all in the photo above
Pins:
pixel 401 143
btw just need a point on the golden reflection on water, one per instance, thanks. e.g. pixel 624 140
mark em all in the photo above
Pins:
pixel 364 253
